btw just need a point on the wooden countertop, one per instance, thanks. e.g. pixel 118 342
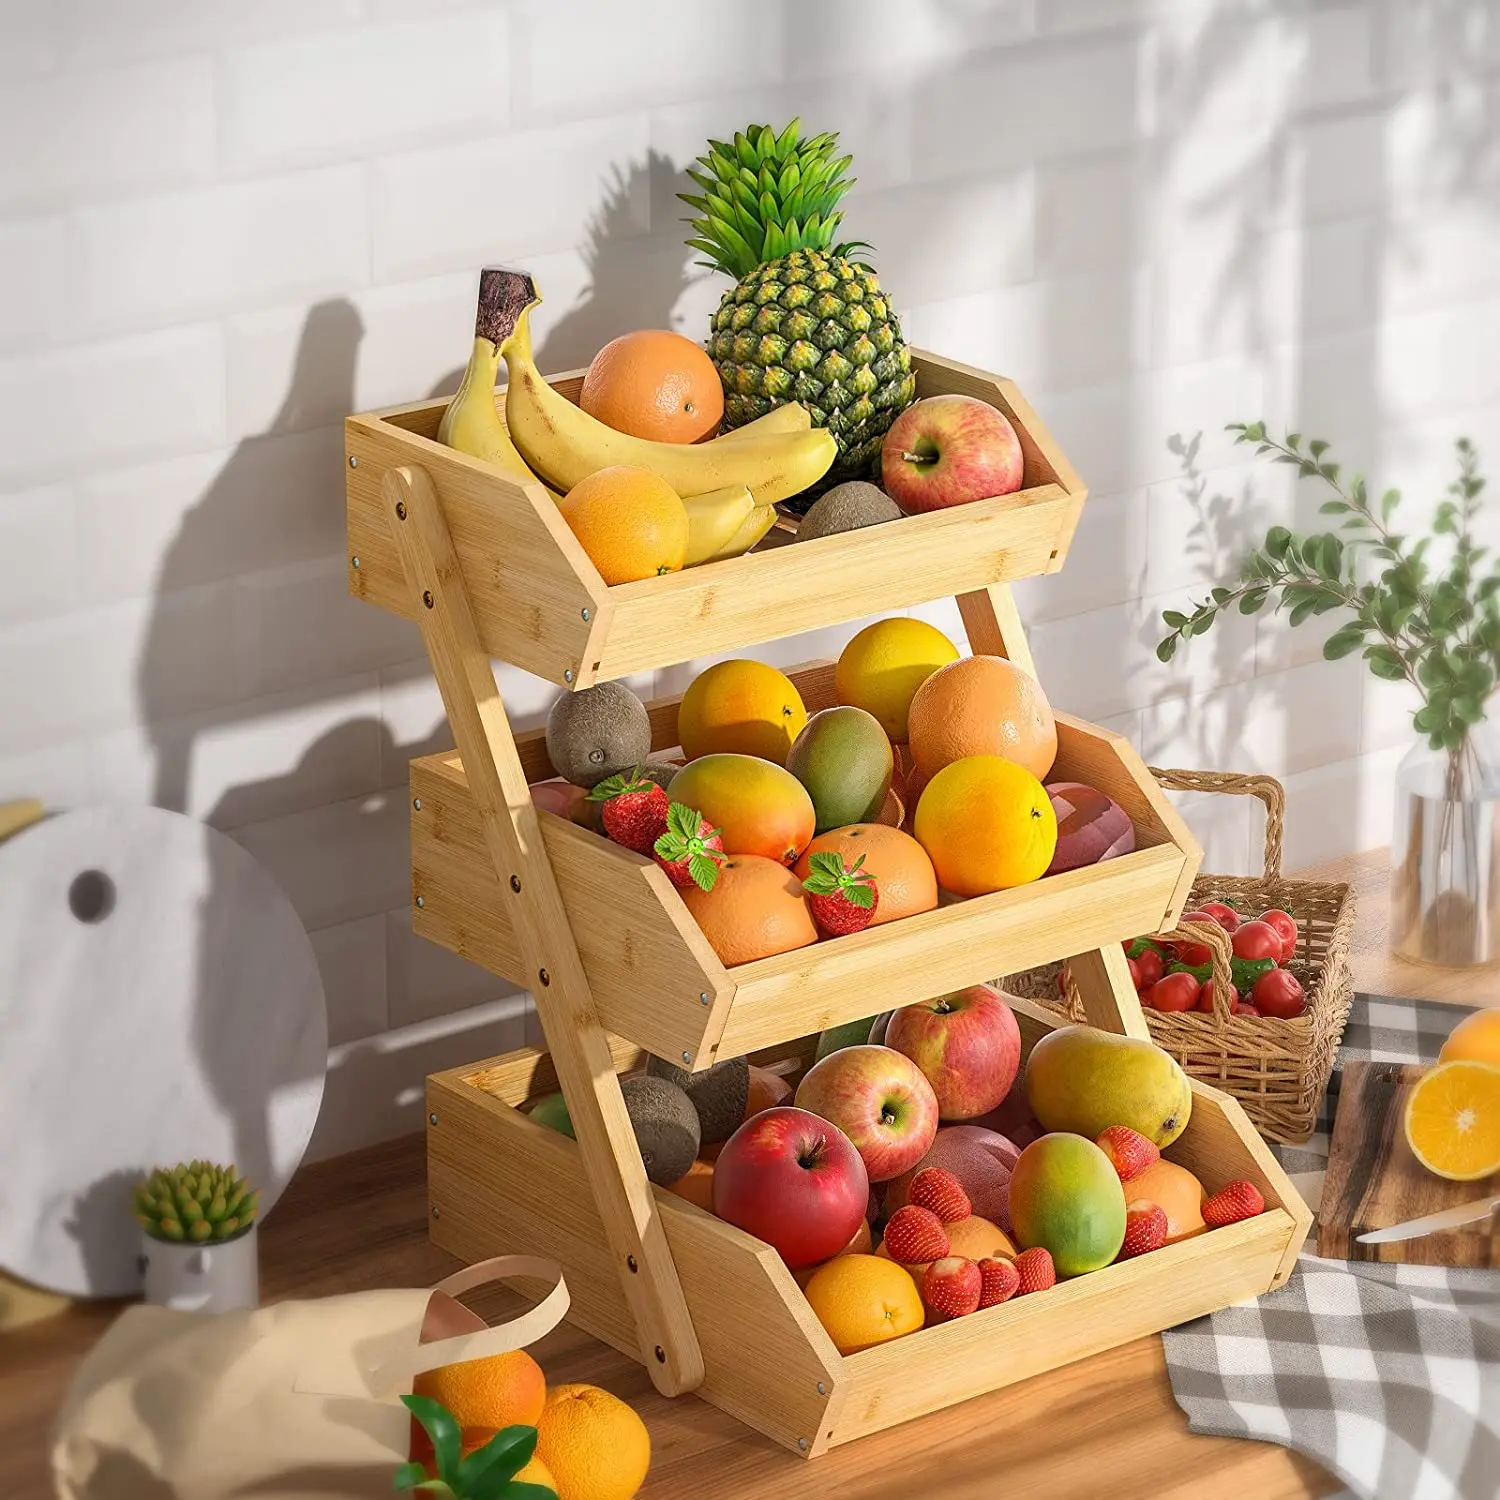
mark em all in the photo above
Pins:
pixel 360 1222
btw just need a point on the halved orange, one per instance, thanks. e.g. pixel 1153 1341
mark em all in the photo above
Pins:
pixel 1453 1120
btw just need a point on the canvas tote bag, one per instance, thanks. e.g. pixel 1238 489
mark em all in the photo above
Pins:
pixel 297 1401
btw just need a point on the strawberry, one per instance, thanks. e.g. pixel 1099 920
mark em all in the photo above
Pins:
pixel 915 1236
pixel 951 1287
pixel 1129 1152
pixel 841 899
pixel 689 851
pixel 1036 1271
pixel 634 811
pixel 938 1189
pixel 1239 1200
pixel 1145 1229
pixel 998 1280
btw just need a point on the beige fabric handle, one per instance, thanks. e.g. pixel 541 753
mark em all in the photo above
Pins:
pixel 531 1325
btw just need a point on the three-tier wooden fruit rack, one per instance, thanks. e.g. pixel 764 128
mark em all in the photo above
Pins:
pixel 488 569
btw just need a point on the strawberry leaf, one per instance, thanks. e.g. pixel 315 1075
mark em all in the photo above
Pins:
pixel 860 894
pixel 619 786
pixel 704 868
pixel 829 865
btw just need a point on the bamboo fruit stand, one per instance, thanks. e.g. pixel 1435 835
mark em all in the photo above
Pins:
pixel 618 968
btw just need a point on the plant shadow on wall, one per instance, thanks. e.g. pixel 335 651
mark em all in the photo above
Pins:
pixel 634 279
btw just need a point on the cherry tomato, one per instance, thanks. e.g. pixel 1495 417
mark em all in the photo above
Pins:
pixel 1206 997
pixel 1279 993
pixel 1245 1009
pixel 1286 928
pixel 1226 916
pixel 1135 973
pixel 1257 940
pixel 1195 955
pixel 1174 992
pixel 1149 966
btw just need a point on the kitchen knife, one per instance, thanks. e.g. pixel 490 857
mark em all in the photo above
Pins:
pixel 1450 1218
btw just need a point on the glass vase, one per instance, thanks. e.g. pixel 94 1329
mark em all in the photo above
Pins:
pixel 1445 854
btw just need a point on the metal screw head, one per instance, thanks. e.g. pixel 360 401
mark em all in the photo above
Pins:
pixel 354 561
pixel 401 510
pixel 544 976
pixel 702 997
pixel 661 1355
pixel 630 1261
pixel 515 884
pixel 353 462
pixel 432 1119
pixel 416 802
pixel 687 1057
pixel 435 1213
pixel 802 1444
pixel 586 612
pixel 568 675
pixel 421 902
pixel 822 1389
pixel 427 597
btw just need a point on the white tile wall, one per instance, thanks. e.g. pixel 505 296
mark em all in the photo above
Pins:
pixel 229 225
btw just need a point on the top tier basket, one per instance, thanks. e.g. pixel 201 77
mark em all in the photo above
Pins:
pixel 616 964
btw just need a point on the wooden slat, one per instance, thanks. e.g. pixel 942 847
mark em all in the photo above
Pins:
pixel 515 1077
pixel 648 963
pixel 993 625
pixel 1109 998
pixel 965 943
pixel 764 1352
pixel 764 596
pixel 954 1361
pixel 528 580
pixel 580 1049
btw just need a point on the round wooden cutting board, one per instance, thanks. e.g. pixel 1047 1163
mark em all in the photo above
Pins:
pixel 159 1001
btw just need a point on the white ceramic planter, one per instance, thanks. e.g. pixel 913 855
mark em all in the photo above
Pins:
pixel 203 1278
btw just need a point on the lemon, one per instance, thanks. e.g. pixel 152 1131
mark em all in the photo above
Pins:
pixel 881 669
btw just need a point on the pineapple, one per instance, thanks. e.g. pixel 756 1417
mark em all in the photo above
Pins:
pixel 805 321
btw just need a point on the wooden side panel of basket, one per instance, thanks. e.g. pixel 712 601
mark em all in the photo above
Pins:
pixel 767 1360
pixel 654 977
pixel 540 603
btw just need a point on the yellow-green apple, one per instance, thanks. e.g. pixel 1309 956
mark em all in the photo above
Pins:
pixel 794 1180
pixel 880 1100
pixel 949 450
pixel 967 1044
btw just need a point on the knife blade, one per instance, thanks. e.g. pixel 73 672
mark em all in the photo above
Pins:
pixel 1450 1218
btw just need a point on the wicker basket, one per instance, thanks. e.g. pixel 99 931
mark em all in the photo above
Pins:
pixel 1277 1069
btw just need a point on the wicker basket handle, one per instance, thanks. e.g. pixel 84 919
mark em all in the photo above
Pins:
pixel 1213 937
pixel 1267 788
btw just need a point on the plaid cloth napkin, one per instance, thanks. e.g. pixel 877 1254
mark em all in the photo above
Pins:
pixel 1388 1376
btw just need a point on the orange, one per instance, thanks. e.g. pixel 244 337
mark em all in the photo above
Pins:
pixel 1453 1120
pixel 864 1300
pixel 654 384
pixel 1176 1192
pixel 987 824
pixel 595 1446
pixel 740 708
pixel 1475 1039
pixel 974 1238
pixel 629 521
pixel 861 1242
pixel 755 909
pixel 904 876
pixel 697 1186
pixel 982 705
pixel 487 1394
pixel 884 665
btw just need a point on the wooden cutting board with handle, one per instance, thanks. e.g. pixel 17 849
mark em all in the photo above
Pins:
pixel 1374 1181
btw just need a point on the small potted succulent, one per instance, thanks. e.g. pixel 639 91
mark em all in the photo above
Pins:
pixel 1423 610
pixel 472 1464
pixel 200 1252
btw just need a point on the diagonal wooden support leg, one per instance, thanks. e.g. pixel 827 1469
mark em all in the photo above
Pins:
pixel 1109 998
pixel 993 625
pixel 578 1044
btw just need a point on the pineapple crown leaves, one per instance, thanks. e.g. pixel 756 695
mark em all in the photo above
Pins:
pixel 194 1202
pixel 621 785
pixel 764 195
pixel 486 1474
pixel 830 876
pixel 687 839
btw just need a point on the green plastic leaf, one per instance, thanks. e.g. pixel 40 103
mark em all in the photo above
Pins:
pixel 1344 642
pixel 1278 539
pixel 505 1454
pixel 442 1428
pixel 1252 600
pixel 1167 649
pixel 1385 664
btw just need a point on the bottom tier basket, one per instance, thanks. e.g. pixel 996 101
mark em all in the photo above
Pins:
pixel 502 1182
pixel 1277 1069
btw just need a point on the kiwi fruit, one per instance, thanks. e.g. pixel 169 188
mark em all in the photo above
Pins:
pixel 660 771
pixel 597 732
pixel 847 507
pixel 719 1094
pixel 665 1125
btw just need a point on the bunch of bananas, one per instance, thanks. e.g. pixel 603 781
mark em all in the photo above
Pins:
pixel 729 485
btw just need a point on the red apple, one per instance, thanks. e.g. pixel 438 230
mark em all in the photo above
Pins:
pixel 967 1045
pixel 949 450
pixel 793 1180
pixel 880 1100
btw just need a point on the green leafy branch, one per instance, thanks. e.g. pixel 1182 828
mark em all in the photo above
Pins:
pixel 486 1474
pixel 1413 619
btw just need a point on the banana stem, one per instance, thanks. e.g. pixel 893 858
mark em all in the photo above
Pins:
pixel 503 297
